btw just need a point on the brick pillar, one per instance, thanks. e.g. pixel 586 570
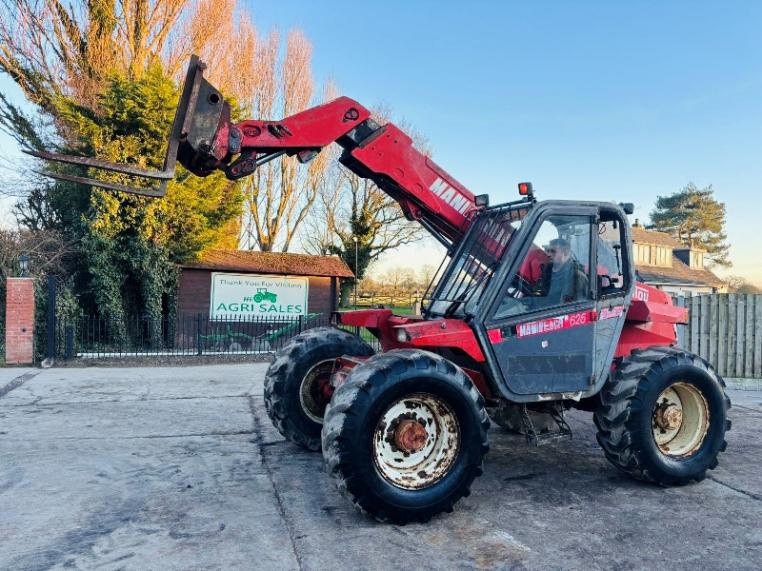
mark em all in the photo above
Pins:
pixel 19 321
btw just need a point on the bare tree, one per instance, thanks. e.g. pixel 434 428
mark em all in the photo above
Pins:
pixel 426 273
pixel 53 49
pixel 739 284
pixel 50 49
pixel 280 194
pixel 47 251
pixel 356 220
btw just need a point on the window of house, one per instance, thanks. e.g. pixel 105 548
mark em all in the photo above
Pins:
pixel 697 260
pixel 662 257
pixel 643 253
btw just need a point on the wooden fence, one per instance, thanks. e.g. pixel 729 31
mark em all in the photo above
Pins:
pixel 726 330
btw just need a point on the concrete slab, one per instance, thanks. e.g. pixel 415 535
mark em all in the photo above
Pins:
pixel 7 374
pixel 91 384
pixel 161 468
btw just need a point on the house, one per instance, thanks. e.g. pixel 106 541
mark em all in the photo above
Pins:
pixel 664 262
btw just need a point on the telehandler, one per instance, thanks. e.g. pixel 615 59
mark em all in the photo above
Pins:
pixel 536 309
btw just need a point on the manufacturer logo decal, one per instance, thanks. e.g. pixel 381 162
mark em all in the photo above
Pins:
pixel 553 324
pixel 450 195
pixel 641 293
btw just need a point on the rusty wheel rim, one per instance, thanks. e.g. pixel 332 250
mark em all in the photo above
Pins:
pixel 313 395
pixel 680 420
pixel 416 441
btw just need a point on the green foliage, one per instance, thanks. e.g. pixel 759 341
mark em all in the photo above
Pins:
pixel 67 311
pixel 695 218
pixel 133 243
pixel 357 255
pixel 377 224
pixel 129 246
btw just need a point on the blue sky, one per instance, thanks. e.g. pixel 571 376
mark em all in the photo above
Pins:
pixel 616 101
pixel 602 100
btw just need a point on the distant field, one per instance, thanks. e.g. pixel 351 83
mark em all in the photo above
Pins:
pixel 398 310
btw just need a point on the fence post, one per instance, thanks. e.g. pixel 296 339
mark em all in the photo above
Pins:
pixel 199 345
pixel 679 301
pixel 50 333
pixel 301 323
pixel 69 342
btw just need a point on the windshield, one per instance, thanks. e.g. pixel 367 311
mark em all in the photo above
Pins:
pixel 465 278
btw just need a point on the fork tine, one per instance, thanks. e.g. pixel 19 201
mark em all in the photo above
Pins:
pixel 100 164
pixel 155 192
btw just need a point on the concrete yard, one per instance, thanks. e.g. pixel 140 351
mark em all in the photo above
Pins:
pixel 179 468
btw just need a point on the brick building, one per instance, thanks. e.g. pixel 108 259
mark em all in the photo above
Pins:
pixel 667 264
pixel 202 281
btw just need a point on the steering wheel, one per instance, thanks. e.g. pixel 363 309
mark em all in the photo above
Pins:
pixel 520 287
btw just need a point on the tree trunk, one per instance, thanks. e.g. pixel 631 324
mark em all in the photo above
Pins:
pixel 347 292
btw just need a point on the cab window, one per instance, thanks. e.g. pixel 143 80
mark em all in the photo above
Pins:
pixel 555 270
pixel 609 251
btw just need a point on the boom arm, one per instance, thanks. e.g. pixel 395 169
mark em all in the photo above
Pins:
pixel 203 139
pixel 383 154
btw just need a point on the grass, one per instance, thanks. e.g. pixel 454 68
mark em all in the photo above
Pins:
pixel 401 310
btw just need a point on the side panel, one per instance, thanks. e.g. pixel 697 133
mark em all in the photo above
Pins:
pixel 608 328
pixel 548 361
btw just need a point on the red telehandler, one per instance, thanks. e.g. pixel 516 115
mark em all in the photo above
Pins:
pixel 536 309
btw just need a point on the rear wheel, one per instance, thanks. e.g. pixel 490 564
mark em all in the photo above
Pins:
pixel 297 384
pixel 663 417
pixel 405 436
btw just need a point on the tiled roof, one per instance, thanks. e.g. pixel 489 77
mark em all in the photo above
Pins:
pixel 642 236
pixel 271 263
pixel 678 274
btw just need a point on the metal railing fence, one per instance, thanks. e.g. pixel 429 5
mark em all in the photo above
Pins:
pixel 101 337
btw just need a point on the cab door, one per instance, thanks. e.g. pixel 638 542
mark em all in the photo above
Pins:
pixel 613 287
pixel 541 325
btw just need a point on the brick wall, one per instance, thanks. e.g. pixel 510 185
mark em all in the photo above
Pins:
pixel 19 321
pixel 195 288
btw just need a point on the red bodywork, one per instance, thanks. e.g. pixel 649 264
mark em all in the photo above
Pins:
pixel 423 189
pixel 651 321
pixel 426 193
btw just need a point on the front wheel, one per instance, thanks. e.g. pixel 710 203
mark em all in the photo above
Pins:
pixel 405 436
pixel 663 417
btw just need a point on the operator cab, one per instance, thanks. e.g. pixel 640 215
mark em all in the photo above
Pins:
pixel 545 286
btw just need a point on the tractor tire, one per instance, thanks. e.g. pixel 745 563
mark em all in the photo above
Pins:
pixel 663 417
pixel 508 417
pixel 295 385
pixel 405 436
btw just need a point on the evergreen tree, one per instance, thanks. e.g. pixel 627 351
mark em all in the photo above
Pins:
pixel 131 244
pixel 694 217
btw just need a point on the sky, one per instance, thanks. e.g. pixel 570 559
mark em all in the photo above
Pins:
pixel 621 101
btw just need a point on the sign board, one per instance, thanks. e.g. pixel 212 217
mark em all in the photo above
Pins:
pixel 250 295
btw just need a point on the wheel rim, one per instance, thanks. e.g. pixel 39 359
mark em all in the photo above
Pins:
pixel 680 420
pixel 315 391
pixel 416 441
